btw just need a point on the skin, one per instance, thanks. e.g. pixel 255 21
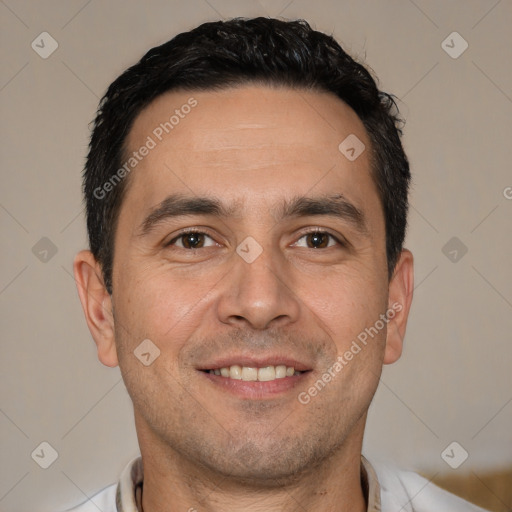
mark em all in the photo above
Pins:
pixel 202 446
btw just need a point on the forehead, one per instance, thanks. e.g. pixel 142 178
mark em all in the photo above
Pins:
pixel 251 142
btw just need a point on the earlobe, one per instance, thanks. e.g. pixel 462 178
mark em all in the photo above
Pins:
pixel 97 306
pixel 400 295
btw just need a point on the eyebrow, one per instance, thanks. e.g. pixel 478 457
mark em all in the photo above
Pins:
pixel 178 205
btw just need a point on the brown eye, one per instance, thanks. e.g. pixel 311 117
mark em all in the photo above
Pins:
pixel 191 240
pixel 317 240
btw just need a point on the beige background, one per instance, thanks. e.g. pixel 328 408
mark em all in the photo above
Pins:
pixel 453 382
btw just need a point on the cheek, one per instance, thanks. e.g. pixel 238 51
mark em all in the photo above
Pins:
pixel 157 306
pixel 346 303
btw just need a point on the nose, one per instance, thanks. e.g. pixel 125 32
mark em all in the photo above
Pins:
pixel 259 294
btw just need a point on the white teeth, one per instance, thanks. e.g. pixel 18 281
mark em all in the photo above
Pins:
pixel 235 372
pixel 250 373
pixel 267 373
pixel 280 371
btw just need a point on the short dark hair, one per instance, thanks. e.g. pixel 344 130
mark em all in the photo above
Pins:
pixel 224 54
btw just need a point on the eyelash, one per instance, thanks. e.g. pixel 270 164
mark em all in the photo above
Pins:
pixel 310 232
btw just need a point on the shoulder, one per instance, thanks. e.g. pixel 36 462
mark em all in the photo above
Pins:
pixel 410 492
pixel 105 501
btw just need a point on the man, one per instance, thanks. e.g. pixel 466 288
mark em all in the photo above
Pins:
pixel 246 193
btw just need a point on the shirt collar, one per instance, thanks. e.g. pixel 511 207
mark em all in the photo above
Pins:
pixel 371 487
pixel 129 488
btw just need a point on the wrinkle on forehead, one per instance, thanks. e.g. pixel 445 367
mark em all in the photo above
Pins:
pixel 256 136
pixel 251 115
pixel 240 158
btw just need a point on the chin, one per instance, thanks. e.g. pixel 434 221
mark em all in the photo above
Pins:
pixel 272 464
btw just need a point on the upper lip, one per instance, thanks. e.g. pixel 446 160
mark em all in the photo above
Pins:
pixel 256 362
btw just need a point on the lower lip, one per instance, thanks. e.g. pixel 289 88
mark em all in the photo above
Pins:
pixel 255 389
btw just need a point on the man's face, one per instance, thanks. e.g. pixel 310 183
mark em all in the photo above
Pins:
pixel 212 300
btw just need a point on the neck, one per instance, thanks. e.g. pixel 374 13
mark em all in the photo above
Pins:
pixel 174 483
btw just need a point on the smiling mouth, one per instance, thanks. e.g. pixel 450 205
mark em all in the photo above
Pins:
pixel 251 373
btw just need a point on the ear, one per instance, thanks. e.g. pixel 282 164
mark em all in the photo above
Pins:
pixel 399 303
pixel 97 306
